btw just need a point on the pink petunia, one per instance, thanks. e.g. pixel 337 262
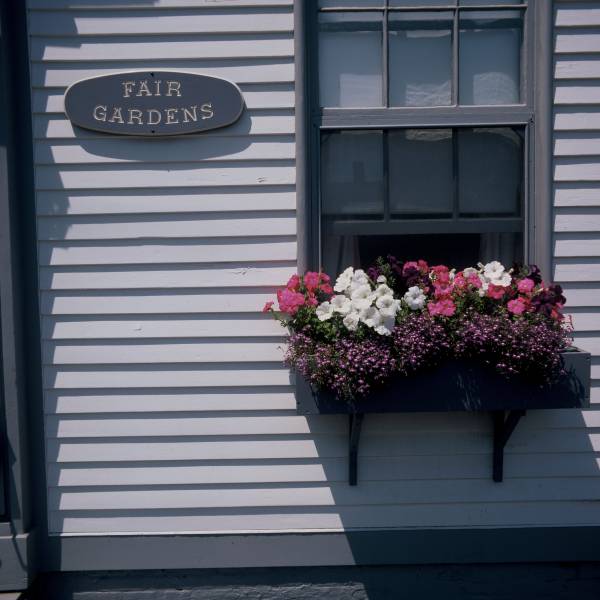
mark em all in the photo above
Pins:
pixel 474 280
pixel 326 289
pixel 525 286
pixel 444 307
pixel 289 301
pixel 518 306
pixel 311 280
pixel 294 283
pixel 495 291
pixel 267 307
pixel 441 274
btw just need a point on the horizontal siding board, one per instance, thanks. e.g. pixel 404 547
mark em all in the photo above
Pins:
pixel 250 123
pixel 577 194
pixel 577 144
pixel 577 220
pixel 163 377
pixel 243 226
pixel 256 96
pixel 83 278
pixel 323 470
pixel 577 92
pixel 186 175
pixel 585 320
pixel 217 199
pixel 334 494
pixel 145 303
pixel 158 47
pixel 576 270
pixel 577 14
pixel 577 67
pixel 126 426
pixel 411 443
pixel 104 151
pixel 477 514
pixel 580 118
pixel 576 41
pixel 574 244
pixel 231 250
pixel 49 5
pixel 135 22
pixel 160 401
pixel 273 70
pixel 228 325
pixel 169 352
pixel 576 169
pixel 582 294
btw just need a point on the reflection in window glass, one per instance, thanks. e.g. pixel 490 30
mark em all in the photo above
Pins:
pixel 420 3
pixel 350 59
pixel 421 181
pixel 490 2
pixel 420 55
pixel 490 171
pixel 490 57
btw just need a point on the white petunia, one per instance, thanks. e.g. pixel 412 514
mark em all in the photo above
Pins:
pixel 342 283
pixel 361 304
pixel 371 317
pixel 385 302
pixel 470 271
pixel 493 270
pixel 364 292
pixel 382 279
pixel 359 279
pixel 341 304
pixel 324 311
pixel 383 290
pixel 415 298
pixel 386 327
pixel 503 281
pixel 351 321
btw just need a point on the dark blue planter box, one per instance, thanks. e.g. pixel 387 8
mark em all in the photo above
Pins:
pixel 458 386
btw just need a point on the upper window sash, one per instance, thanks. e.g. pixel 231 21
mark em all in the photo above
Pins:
pixel 455 113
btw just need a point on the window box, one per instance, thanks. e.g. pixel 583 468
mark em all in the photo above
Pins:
pixel 458 386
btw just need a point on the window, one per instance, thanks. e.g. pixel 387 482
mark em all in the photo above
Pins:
pixel 422 115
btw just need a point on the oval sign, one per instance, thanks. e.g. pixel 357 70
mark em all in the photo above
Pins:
pixel 153 103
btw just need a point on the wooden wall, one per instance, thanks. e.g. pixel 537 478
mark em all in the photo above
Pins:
pixel 166 406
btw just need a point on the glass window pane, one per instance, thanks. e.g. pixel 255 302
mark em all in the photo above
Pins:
pixel 420 55
pixel 420 172
pixel 350 59
pixel 351 3
pixel 352 174
pixel 421 3
pixel 490 2
pixel 490 57
pixel 352 187
pixel 490 171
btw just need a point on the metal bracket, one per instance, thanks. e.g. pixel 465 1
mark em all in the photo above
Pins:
pixel 356 420
pixel 504 425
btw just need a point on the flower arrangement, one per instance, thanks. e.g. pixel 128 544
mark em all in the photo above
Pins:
pixel 398 318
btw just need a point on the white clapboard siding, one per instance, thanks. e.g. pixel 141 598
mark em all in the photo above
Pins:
pixel 250 123
pixel 195 326
pixel 581 92
pixel 102 151
pixel 268 70
pixel 74 24
pixel 230 250
pixel 212 225
pixel 158 302
pixel 426 516
pixel 217 199
pixel 83 278
pixel 576 189
pixel 156 48
pixel 167 406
